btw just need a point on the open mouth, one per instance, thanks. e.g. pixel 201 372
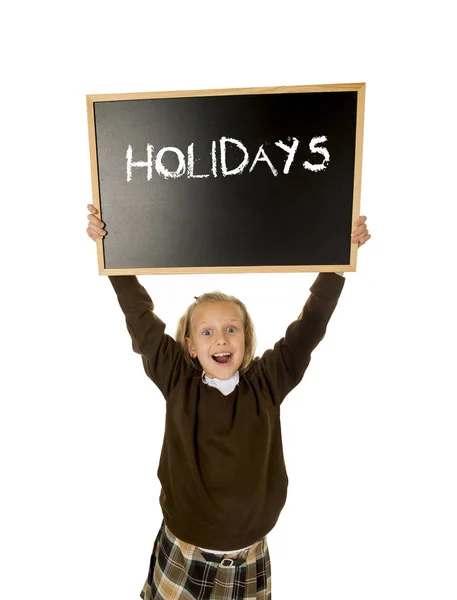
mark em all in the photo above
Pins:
pixel 222 357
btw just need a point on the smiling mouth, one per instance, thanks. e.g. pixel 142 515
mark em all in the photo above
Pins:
pixel 222 358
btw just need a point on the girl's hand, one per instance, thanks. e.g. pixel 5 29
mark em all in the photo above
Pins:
pixel 95 230
pixel 360 233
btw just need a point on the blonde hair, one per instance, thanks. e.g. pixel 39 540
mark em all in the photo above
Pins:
pixel 186 323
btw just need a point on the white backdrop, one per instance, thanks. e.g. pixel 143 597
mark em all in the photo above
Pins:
pixel 369 435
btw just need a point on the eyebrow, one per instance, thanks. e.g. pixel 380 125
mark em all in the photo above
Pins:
pixel 228 320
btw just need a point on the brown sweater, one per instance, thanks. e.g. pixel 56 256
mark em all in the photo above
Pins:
pixel 222 470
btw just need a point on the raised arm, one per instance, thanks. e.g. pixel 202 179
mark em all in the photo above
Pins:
pixel 160 353
pixel 283 366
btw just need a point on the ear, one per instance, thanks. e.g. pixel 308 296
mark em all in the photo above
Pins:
pixel 190 347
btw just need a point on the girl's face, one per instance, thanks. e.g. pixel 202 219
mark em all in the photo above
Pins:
pixel 218 338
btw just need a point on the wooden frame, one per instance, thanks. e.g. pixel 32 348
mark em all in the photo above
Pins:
pixel 349 87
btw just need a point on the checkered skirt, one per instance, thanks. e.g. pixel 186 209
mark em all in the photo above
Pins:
pixel 181 571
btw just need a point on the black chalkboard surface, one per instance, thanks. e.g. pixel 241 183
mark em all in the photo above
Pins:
pixel 256 179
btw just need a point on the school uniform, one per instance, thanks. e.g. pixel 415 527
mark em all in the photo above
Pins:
pixel 222 471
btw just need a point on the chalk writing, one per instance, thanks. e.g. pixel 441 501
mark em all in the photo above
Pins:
pixel 157 162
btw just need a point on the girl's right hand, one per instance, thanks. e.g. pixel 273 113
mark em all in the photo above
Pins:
pixel 95 229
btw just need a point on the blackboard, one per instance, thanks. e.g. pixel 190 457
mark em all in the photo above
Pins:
pixel 256 179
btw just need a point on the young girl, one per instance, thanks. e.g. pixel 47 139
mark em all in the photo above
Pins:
pixel 224 481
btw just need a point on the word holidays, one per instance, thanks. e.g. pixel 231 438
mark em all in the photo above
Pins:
pixel 156 162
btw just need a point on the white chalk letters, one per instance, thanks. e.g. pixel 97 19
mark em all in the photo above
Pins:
pixel 157 162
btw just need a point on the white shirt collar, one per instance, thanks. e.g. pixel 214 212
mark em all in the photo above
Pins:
pixel 225 386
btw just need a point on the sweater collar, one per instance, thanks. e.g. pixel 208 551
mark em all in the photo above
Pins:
pixel 225 386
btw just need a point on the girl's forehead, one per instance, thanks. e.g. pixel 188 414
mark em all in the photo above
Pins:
pixel 222 310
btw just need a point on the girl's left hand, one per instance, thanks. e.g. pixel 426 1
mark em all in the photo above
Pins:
pixel 360 233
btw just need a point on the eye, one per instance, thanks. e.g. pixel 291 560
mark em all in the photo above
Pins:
pixel 206 332
pixel 231 329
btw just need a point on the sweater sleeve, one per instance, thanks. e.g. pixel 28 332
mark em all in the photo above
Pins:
pixel 160 353
pixel 284 366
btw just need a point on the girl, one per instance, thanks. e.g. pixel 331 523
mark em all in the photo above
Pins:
pixel 224 481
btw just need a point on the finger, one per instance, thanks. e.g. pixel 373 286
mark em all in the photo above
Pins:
pixel 96 221
pixel 93 235
pixel 359 222
pixel 91 208
pixel 359 230
pixel 364 240
pixel 98 231
pixel 357 238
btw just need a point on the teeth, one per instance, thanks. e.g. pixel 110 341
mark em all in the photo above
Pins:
pixel 222 354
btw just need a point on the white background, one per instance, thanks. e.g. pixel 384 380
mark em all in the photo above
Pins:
pixel 370 433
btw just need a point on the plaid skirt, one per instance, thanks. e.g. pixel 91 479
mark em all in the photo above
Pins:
pixel 181 571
